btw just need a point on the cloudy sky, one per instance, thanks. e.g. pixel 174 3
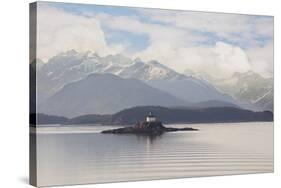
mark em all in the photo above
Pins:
pixel 212 43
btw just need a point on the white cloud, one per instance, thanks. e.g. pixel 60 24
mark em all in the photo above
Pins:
pixel 261 59
pixel 174 43
pixel 233 27
pixel 155 32
pixel 58 31
pixel 219 61
pixel 177 43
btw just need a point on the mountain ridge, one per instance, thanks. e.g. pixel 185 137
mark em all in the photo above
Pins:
pixel 166 115
pixel 247 87
pixel 104 93
pixel 72 66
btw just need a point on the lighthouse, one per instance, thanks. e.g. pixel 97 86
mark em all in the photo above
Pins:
pixel 150 118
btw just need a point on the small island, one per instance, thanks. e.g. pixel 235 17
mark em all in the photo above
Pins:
pixel 151 126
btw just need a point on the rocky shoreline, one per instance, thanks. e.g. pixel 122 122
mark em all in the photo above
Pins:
pixel 147 128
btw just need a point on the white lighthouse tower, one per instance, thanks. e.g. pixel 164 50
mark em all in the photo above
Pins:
pixel 150 118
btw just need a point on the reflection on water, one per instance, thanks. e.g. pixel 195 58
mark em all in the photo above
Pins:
pixel 76 155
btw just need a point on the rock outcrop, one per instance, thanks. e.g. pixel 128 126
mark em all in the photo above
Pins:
pixel 147 128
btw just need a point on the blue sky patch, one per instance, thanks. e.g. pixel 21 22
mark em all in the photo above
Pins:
pixel 136 41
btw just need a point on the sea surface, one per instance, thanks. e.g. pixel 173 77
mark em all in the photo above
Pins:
pixel 81 154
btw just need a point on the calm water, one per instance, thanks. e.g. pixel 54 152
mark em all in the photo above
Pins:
pixel 78 155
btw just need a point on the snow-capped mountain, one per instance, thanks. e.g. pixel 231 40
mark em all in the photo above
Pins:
pixel 72 66
pixel 118 65
pixel 248 87
pixel 265 102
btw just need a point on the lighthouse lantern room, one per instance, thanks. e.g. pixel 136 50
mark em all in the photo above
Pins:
pixel 150 118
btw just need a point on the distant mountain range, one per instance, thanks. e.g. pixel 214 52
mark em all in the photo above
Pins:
pixel 72 66
pixel 72 84
pixel 192 90
pixel 166 115
pixel 103 94
pixel 107 94
pixel 248 87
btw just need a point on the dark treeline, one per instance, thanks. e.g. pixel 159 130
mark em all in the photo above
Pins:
pixel 166 115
